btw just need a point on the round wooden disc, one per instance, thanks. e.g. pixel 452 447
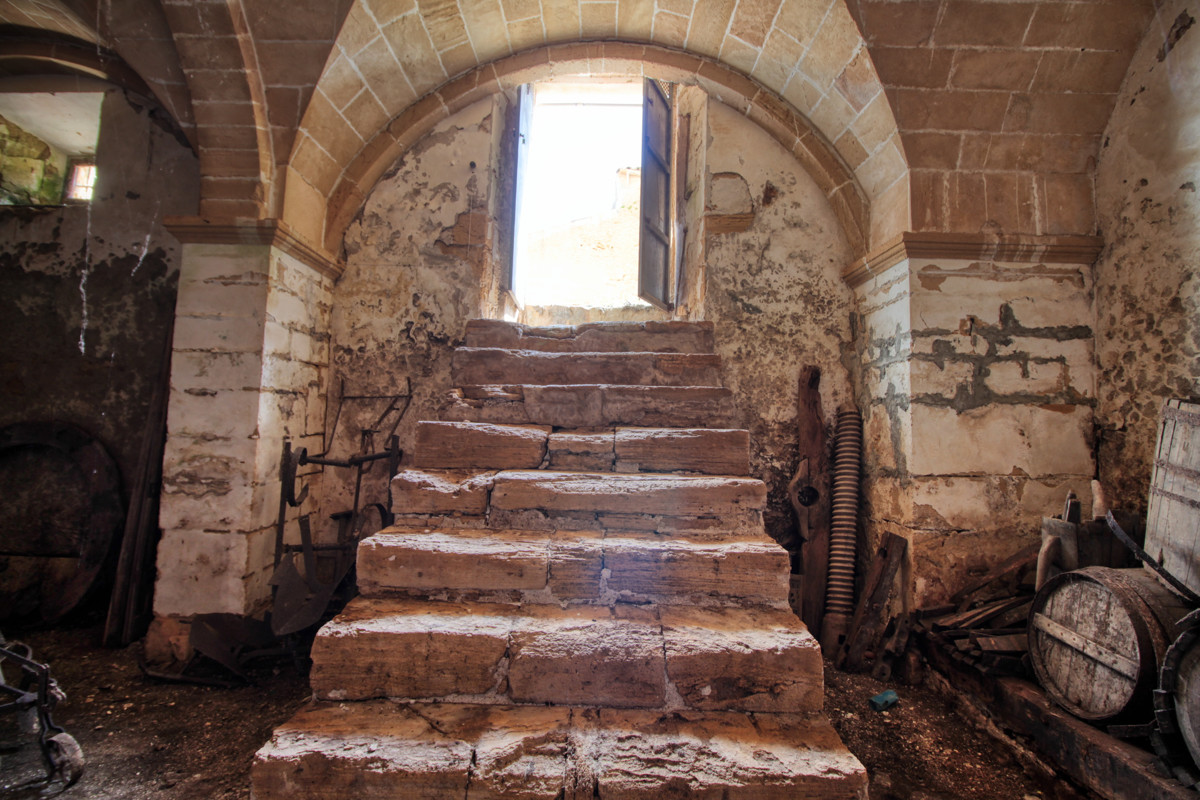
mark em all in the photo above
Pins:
pixel 60 499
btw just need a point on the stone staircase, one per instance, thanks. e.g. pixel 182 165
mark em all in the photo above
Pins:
pixel 578 599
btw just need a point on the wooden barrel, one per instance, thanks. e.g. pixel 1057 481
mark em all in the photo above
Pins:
pixel 1097 637
pixel 1177 705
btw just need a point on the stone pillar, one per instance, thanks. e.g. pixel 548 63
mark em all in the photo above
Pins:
pixel 249 368
pixel 978 393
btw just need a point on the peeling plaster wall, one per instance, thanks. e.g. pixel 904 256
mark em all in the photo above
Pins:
pixel 87 293
pixel 775 293
pixel 1147 292
pixel 419 263
pixel 978 384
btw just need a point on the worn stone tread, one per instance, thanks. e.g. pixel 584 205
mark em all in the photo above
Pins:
pixel 614 656
pixel 596 405
pixel 647 493
pixel 381 749
pixel 711 451
pixel 489 365
pixel 600 337
pixel 479 445
pixel 554 567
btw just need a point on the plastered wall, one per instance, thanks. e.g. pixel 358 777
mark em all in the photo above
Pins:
pixel 419 258
pixel 775 293
pixel 87 292
pixel 978 389
pixel 1147 292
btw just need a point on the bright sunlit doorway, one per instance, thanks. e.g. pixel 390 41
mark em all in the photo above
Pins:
pixel 578 188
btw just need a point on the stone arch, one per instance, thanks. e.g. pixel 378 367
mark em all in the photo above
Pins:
pixel 801 68
pixel 789 128
pixel 219 61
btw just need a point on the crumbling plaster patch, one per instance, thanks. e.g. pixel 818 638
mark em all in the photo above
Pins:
pixel 418 257
pixel 775 294
pixel 1147 292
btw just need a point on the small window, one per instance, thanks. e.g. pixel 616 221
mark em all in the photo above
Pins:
pixel 83 181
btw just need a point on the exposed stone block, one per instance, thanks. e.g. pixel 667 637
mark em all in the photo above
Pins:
pixel 599 406
pixel 748 660
pixel 440 492
pixel 483 752
pixel 406 648
pixel 676 495
pixel 627 337
pixel 479 445
pixel 713 452
pixel 364 751
pixel 576 564
pixel 393 560
pixel 496 366
pixel 682 572
pixel 591 452
pixel 638 755
pixel 590 657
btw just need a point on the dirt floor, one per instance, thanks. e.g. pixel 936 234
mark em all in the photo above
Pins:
pixel 143 738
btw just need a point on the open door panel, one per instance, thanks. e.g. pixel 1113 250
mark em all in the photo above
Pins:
pixel 654 247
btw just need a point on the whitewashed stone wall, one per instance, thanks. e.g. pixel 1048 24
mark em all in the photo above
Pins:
pixel 250 363
pixel 978 388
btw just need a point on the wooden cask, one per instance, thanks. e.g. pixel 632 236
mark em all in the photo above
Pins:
pixel 1097 637
pixel 1177 705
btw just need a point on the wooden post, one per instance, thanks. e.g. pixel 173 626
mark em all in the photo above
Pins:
pixel 813 519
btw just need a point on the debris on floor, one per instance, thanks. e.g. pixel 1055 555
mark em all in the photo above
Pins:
pixel 146 739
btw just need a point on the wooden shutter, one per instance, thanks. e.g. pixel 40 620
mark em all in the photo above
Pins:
pixel 521 160
pixel 654 245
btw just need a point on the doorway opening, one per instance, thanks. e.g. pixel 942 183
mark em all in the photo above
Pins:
pixel 580 201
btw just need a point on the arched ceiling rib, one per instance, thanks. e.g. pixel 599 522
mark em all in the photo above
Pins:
pixel 389 55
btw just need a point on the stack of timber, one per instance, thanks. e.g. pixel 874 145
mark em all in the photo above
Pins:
pixel 984 627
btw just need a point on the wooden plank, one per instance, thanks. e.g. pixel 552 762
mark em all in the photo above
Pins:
pixel 1010 643
pixel 1173 521
pixel 1105 765
pixel 866 625
pixel 1009 568
pixel 974 617
pixel 1114 661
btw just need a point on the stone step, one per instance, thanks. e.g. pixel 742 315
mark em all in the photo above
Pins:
pixel 549 500
pixel 594 406
pixel 600 337
pixel 484 445
pixel 485 752
pixel 489 365
pixel 532 567
pixel 620 493
pixel 622 656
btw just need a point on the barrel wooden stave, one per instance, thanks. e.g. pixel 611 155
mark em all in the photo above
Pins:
pixel 1097 638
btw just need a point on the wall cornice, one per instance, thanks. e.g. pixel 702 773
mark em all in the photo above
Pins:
pixel 243 230
pixel 966 246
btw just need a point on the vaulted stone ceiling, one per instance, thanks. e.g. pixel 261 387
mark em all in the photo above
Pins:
pixel 947 115
pixel 1001 105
